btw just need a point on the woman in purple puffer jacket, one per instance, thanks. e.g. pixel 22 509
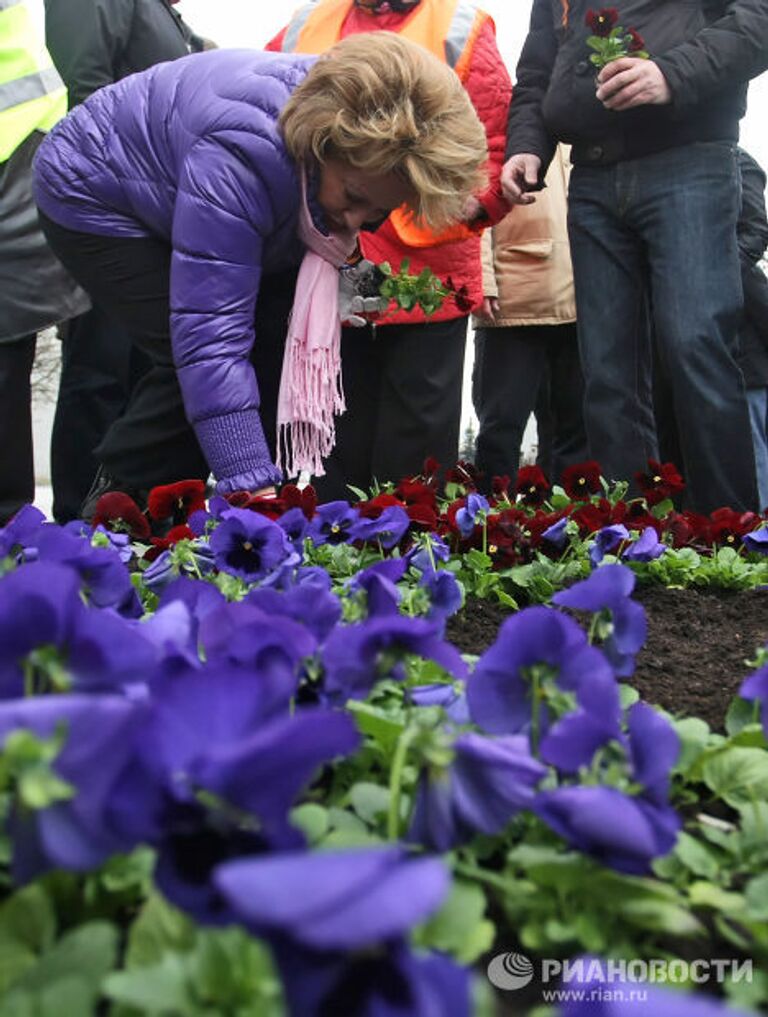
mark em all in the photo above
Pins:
pixel 175 195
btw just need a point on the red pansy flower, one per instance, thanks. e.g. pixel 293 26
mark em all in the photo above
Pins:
pixel 727 527
pixel 500 487
pixel 660 482
pixel 464 473
pixel 602 21
pixel 636 41
pixel 532 486
pixel 176 501
pixel 160 544
pixel 581 480
pixel 416 492
pixel 272 508
pixel 304 498
pixel 117 511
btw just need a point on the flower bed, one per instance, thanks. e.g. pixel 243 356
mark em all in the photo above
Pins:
pixel 244 770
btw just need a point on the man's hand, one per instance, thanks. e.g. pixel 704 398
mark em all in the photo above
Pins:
pixel 632 81
pixel 489 309
pixel 519 175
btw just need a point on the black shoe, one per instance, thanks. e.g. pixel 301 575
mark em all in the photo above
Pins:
pixel 105 483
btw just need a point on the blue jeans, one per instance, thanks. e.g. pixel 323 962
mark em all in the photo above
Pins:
pixel 758 412
pixel 657 236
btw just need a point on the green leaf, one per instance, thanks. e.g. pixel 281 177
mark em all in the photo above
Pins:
pixel 27 918
pixel 708 895
pixel 372 721
pixel 738 774
pixel 160 989
pixel 312 820
pixel 756 896
pixel 741 713
pixel 459 927
pixel 693 734
pixel 697 856
pixel 369 801
pixel 84 956
pixel 160 928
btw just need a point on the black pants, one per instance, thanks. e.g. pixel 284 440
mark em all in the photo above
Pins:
pixel 519 370
pixel 17 472
pixel 402 385
pixel 100 367
pixel 129 279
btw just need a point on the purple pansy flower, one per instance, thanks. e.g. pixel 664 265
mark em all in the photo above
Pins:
pixel 20 531
pixel 607 540
pixel 426 551
pixel 332 523
pixel 487 783
pixel 215 780
pixel 445 594
pixel 756 687
pixel 248 545
pixel 98 735
pixel 295 524
pixel 757 540
pixel 104 579
pixel 467 516
pixel 170 566
pixel 647 547
pixel 386 981
pixel 379 583
pixel 348 900
pixel 340 942
pixel 357 656
pixel 49 635
pixel 446 695
pixel 499 691
pixel 609 588
pixel 387 529
pixel 557 533
pixel 311 605
pixel 623 831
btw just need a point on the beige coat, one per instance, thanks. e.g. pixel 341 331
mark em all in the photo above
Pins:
pixel 527 260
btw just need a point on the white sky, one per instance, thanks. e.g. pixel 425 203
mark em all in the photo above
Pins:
pixel 255 22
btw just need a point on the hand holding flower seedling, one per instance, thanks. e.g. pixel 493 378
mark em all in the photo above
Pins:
pixel 628 77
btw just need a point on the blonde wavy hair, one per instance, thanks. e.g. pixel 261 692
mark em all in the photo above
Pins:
pixel 384 105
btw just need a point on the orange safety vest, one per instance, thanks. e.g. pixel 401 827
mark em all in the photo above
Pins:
pixel 447 28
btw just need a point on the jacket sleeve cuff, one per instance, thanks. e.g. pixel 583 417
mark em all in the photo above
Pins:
pixel 236 451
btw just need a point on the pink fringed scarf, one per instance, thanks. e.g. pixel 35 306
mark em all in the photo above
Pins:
pixel 311 392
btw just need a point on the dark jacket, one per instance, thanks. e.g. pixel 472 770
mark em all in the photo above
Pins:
pixel 97 42
pixel 753 240
pixel 708 50
pixel 191 152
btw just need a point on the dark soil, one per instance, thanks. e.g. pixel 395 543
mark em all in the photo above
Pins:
pixel 694 659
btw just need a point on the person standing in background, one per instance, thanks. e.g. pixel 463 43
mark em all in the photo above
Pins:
pixel 35 290
pixel 652 205
pixel 526 347
pixel 752 236
pixel 95 43
pixel 403 375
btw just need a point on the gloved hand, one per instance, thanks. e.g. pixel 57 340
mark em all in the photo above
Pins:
pixel 359 293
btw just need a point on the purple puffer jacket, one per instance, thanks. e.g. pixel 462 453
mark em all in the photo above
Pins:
pixel 191 151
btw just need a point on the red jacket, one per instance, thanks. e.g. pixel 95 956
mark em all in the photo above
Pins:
pixel 490 89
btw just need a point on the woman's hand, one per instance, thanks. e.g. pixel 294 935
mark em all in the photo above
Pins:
pixel 265 492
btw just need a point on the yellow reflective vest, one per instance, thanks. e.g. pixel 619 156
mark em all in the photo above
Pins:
pixel 32 95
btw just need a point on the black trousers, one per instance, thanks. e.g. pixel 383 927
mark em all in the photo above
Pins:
pixel 520 370
pixel 128 278
pixel 17 472
pixel 100 367
pixel 402 385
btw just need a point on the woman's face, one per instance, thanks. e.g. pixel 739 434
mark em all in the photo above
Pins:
pixel 353 200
